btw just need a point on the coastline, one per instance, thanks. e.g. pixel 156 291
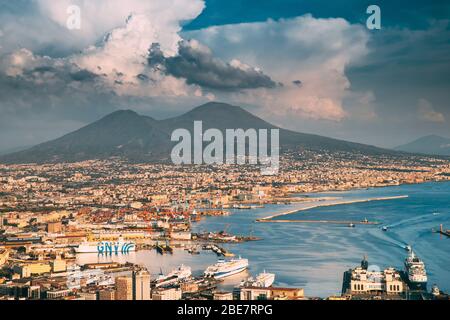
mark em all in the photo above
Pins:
pixel 337 203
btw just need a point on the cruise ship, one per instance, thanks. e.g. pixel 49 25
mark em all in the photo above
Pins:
pixel 179 274
pixel 262 280
pixel 417 274
pixel 225 268
pixel 107 247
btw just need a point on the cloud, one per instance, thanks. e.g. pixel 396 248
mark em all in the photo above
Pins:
pixel 44 79
pixel 426 112
pixel 77 76
pixel 118 63
pixel 121 59
pixel 196 63
pixel 317 51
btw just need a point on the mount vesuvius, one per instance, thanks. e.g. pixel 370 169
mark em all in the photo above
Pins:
pixel 138 138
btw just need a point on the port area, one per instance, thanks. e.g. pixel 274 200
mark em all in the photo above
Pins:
pixel 324 203
pixel 206 241
pixel 223 237
pixel 193 248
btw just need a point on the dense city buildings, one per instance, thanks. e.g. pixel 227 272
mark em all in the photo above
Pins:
pixel 53 213
pixel 124 289
pixel 141 285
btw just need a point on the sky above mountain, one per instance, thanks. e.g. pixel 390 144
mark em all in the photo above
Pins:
pixel 310 65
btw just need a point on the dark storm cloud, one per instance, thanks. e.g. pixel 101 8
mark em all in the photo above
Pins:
pixel 83 75
pixel 198 66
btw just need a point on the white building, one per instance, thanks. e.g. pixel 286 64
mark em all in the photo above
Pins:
pixel 167 294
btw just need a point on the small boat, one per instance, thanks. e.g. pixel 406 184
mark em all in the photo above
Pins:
pixel 408 248
pixel 193 251
pixel 435 291
pixel 227 254
pixel 351 225
pixel 384 228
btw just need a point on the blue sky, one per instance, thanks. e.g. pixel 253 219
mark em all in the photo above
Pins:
pixel 308 65
pixel 410 14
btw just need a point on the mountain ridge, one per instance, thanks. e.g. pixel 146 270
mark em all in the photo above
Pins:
pixel 430 144
pixel 125 133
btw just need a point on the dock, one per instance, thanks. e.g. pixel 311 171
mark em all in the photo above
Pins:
pixel 319 204
pixel 444 232
pixel 320 221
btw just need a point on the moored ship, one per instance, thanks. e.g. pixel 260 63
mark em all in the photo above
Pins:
pixel 415 269
pixel 179 274
pixel 262 280
pixel 107 247
pixel 225 268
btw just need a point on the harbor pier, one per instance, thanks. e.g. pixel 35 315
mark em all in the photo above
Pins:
pixel 321 221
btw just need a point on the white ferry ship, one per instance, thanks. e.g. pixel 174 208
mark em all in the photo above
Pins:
pixel 107 247
pixel 417 274
pixel 262 280
pixel 179 274
pixel 225 268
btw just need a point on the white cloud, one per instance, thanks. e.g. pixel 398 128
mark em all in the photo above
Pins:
pixel 101 16
pixel 314 51
pixel 307 51
pixel 120 60
pixel 426 112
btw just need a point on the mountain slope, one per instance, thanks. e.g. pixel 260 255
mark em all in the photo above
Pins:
pixel 432 144
pixel 217 115
pixel 223 116
pixel 140 138
pixel 122 133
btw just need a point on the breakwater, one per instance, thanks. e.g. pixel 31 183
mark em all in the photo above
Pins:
pixel 317 204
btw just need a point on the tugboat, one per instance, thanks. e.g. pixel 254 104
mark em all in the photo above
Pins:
pixel 161 249
pixel 435 291
pixel 417 274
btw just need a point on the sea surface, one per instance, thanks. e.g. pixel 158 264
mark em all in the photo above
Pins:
pixel 315 256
